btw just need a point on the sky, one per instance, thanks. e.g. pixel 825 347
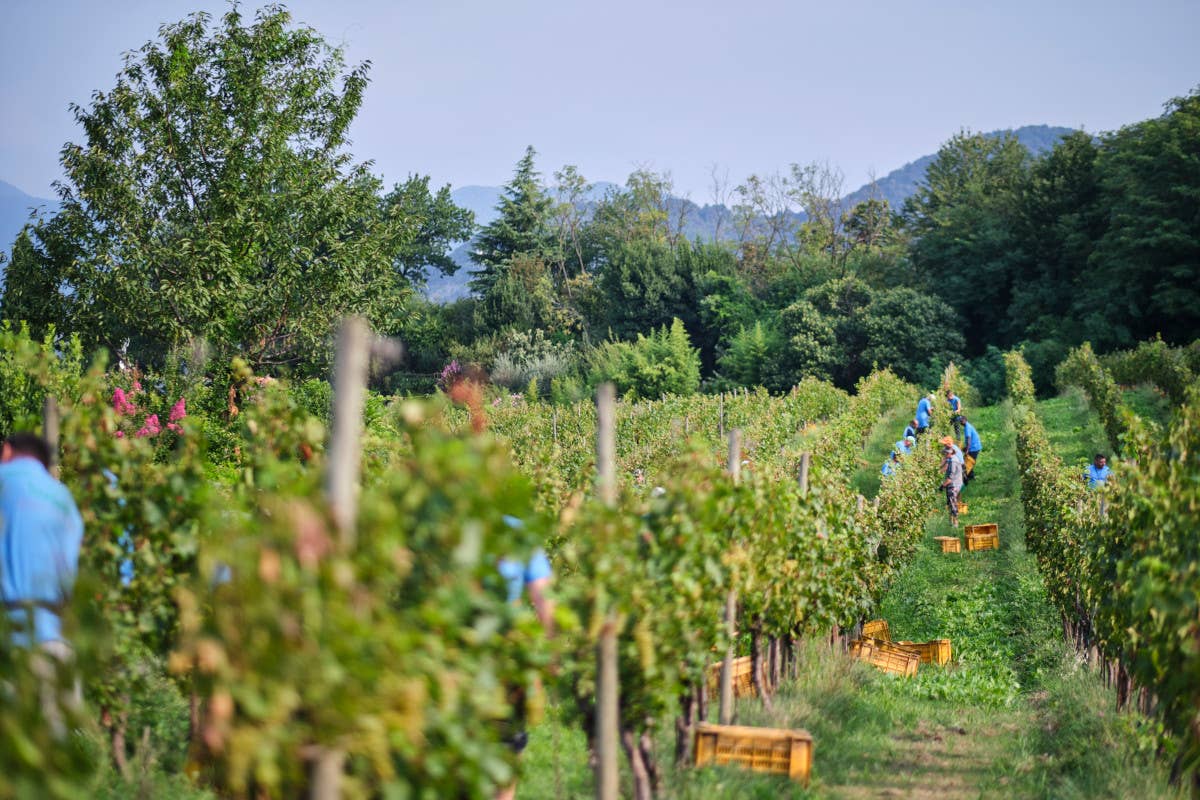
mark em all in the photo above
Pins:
pixel 460 87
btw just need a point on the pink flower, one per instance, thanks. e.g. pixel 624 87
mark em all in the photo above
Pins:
pixel 152 426
pixel 178 411
pixel 171 426
pixel 121 402
pixel 120 434
pixel 137 386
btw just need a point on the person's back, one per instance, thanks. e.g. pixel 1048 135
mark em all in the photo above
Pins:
pixel 971 441
pixel 923 412
pixel 40 536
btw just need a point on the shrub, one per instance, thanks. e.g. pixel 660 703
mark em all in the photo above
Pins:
pixel 662 363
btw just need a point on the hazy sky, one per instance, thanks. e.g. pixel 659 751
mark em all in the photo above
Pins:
pixel 459 87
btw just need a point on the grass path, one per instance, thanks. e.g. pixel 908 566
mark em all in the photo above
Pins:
pixel 1013 715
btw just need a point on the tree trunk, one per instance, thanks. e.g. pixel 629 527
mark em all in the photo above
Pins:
pixel 702 701
pixel 756 665
pixel 774 658
pixel 646 745
pixel 117 740
pixel 1123 685
pixel 685 723
pixel 642 789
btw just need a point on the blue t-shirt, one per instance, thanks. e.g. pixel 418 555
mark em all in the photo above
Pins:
pixel 971 442
pixel 40 535
pixel 1096 477
pixel 888 468
pixel 901 448
pixel 955 403
pixel 518 574
pixel 909 430
pixel 923 413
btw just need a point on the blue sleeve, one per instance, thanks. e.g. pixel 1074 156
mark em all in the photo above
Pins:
pixel 538 567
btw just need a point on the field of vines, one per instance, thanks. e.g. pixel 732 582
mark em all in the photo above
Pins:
pixel 1121 564
pixel 316 651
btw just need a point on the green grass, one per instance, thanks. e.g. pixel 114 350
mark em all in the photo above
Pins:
pixel 1074 430
pixel 883 437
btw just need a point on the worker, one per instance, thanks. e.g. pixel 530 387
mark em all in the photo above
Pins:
pixel 889 466
pixel 524 577
pixel 924 410
pixel 901 446
pixel 952 482
pixel 955 452
pixel 911 430
pixel 1096 473
pixel 955 408
pixel 971 444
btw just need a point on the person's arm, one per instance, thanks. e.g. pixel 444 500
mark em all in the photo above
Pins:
pixel 543 606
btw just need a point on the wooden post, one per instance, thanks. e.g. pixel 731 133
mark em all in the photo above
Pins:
pixel 725 712
pixel 350 365
pixel 345 454
pixel 50 430
pixel 554 425
pixel 805 459
pixel 607 684
pixel 721 415
pixel 862 504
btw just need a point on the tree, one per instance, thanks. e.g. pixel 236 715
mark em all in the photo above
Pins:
pixel 521 229
pixel 662 363
pixel 31 293
pixel 962 219
pixel 214 197
pixel 1144 275
pixel 437 222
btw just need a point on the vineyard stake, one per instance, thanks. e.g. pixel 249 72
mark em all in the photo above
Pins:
pixel 607 685
pixel 725 713
pixel 805 459
pixel 50 430
pixel 345 442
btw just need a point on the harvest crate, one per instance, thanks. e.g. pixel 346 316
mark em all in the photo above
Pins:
pixel 743 678
pixel 963 508
pixel 983 537
pixel 983 541
pixel 935 651
pixel 950 544
pixel 877 629
pixel 886 656
pixel 775 750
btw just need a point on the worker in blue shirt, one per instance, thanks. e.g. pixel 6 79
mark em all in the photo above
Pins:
pixel 889 466
pixel 924 409
pixel 955 408
pixel 911 430
pixel 972 445
pixel 40 536
pixel 530 576
pixel 1096 473
pixel 902 447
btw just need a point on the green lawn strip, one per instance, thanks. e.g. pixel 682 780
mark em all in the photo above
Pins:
pixel 883 438
pixel 1073 428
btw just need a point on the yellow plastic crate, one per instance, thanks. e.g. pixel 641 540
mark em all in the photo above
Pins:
pixel 774 750
pixel 963 508
pixel 935 651
pixel 886 656
pixel 877 629
pixel 983 541
pixel 743 678
pixel 950 544
pixel 986 528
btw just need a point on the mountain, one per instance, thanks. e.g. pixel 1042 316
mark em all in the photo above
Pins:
pixel 15 206
pixel 900 184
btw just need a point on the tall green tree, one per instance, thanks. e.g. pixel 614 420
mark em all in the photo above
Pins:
pixel 214 196
pixel 523 227
pixel 1144 274
pixel 962 218
pixel 436 225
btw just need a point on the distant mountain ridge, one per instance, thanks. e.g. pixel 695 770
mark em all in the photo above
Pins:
pixel 15 207
pixel 701 221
